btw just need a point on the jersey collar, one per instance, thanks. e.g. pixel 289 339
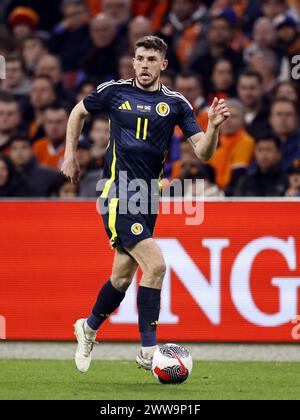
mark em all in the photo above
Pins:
pixel 146 91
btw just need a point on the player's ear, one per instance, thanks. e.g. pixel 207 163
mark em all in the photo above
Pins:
pixel 164 65
pixel 133 62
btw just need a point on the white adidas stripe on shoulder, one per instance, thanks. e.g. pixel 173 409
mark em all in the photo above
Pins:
pixel 172 93
pixel 104 85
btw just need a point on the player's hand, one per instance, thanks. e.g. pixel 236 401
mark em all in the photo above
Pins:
pixel 71 170
pixel 218 112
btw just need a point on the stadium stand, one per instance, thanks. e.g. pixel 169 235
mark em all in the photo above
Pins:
pixel 246 52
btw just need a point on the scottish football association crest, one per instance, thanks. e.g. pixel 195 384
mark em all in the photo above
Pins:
pixel 162 109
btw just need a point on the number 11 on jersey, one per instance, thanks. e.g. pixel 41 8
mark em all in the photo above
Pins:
pixel 142 126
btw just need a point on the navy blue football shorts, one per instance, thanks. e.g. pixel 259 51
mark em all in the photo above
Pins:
pixel 124 230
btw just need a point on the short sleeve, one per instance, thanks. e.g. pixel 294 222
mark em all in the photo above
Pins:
pixel 187 120
pixel 100 99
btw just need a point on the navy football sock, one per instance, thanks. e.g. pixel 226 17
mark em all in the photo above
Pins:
pixel 108 301
pixel 148 302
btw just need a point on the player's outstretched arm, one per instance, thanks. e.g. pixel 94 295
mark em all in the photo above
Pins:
pixel 70 168
pixel 205 144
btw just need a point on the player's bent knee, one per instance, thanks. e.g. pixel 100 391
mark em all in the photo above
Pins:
pixel 157 270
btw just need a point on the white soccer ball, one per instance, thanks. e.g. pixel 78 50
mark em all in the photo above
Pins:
pixel 172 364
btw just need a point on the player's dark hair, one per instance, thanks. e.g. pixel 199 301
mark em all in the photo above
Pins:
pixel 152 42
pixel 253 74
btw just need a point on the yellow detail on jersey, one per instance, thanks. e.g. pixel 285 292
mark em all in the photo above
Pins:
pixel 137 228
pixel 126 105
pixel 112 176
pixel 163 109
pixel 145 128
pixel 138 128
pixel 112 217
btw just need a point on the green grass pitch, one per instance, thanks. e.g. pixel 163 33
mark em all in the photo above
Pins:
pixel 44 379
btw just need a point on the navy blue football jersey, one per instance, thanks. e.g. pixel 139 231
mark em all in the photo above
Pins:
pixel 141 127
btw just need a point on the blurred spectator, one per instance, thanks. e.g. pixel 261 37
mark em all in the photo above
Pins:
pixel 38 178
pixel 138 27
pixel 10 119
pixel 11 183
pixel 99 137
pixel 268 179
pixel 102 60
pixel 23 21
pixel 217 44
pixel 194 170
pixel 50 149
pixel 288 35
pixel 125 68
pixel 266 63
pixel 70 38
pixel 90 171
pixel 42 95
pixel 273 8
pixel 47 11
pixel 235 151
pixel 207 188
pixel 285 124
pixel 189 85
pixel 168 78
pixel 119 11
pixel 33 48
pixel 189 161
pixel 84 89
pixel 7 43
pixel 92 41
pixel 264 37
pixel 62 188
pixel 250 92
pixel 16 81
pixel 50 66
pixel 294 10
pixel 287 90
pixel 183 27
pixel 294 179
pixel 240 40
pixel 222 80
pixel 198 190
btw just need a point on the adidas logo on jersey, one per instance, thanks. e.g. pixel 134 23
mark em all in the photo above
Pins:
pixel 126 105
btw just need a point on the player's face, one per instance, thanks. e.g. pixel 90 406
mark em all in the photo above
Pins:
pixel 147 65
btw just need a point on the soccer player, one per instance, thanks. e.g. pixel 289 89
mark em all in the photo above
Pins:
pixel 143 113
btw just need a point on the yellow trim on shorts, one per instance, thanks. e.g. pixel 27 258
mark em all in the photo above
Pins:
pixel 112 217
